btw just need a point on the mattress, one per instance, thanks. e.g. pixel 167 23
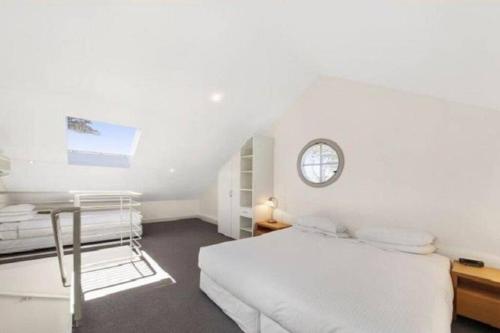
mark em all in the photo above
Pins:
pixel 21 245
pixel 8 235
pixel 37 233
pixel 8 231
pixel 86 230
pixel 306 282
pixel 66 219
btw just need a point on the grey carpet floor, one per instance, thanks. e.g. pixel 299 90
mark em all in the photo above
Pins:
pixel 180 307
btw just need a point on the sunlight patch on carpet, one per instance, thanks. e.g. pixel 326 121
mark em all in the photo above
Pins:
pixel 111 278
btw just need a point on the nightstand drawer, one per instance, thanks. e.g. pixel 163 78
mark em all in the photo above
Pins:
pixel 479 306
pixel 246 211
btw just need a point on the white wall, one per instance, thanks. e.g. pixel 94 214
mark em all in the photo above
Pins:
pixel 204 208
pixel 208 204
pixel 127 73
pixel 411 161
pixel 159 211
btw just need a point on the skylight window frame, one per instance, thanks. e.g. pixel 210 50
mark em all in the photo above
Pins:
pixel 79 155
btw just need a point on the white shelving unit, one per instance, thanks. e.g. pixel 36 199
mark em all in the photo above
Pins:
pixel 245 183
pixel 246 189
pixel 256 181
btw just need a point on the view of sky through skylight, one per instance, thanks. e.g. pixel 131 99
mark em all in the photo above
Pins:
pixel 100 144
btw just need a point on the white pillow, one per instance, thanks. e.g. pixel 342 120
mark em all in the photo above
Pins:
pixel 424 249
pixel 2 214
pixel 391 235
pixel 17 218
pixel 322 232
pixel 321 223
pixel 25 208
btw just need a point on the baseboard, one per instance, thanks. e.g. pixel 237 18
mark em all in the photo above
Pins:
pixel 169 219
pixel 205 218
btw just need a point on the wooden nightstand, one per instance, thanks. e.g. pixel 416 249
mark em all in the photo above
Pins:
pixel 477 293
pixel 265 227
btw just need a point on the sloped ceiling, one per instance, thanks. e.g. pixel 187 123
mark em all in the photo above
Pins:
pixel 154 64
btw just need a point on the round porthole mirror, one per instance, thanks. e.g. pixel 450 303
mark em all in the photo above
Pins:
pixel 320 162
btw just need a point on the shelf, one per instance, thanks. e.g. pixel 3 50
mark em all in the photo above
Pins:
pixel 246 156
pixel 246 171
pixel 246 229
pixel 246 189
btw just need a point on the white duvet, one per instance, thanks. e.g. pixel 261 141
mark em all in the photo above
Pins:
pixel 308 282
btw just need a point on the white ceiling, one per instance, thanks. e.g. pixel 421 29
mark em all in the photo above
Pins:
pixel 154 64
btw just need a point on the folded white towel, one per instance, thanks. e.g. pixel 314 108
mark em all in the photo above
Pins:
pixel 16 209
pixel 18 218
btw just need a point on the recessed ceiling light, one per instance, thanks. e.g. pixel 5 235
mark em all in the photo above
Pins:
pixel 31 162
pixel 172 170
pixel 217 97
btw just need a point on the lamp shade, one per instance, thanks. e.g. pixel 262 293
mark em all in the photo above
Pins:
pixel 272 202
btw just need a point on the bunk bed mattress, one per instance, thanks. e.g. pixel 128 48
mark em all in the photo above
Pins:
pixel 37 233
pixel 92 229
pixel 12 234
pixel 66 219
pixel 29 244
pixel 8 231
pixel 306 282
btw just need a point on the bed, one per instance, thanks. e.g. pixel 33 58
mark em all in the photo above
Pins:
pixel 37 233
pixel 298 281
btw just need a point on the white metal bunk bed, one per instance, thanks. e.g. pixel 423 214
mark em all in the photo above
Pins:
pixel 105 216
pixel 75 203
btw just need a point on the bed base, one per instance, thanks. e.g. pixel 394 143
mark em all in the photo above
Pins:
pixel 249 319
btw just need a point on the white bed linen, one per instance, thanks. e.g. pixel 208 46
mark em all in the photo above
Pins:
pixel 66 219
pixel 17 218
pixel 28 244
pixel 17 209
pixel 306 282
pixel 86 230
pixel 8 235
pixel 267 325
pixel 37 232
pixel 9 226
pixel 246 317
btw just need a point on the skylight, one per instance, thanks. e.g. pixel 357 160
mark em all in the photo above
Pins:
pixel 97 143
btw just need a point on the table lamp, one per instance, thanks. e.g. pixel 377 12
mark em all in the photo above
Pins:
pixel 273 203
